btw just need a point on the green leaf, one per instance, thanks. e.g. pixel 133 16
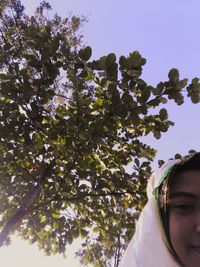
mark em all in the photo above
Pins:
pixel 154 102
pixel 95 230
pixel 163 100
pixel 42 219
pixel 82 136
pixel 173 75
pixel 157 91
pixel 75 233
pixel 83 233
pixel 134 73
pixel 179 99
pixel 183 83
pixel 123 62
pixel 195 97
pixel 55 215
pixel 145 95
pixel 99 102
pixel 157 134
pixel 110 60
pixel 160 163
pixel 135 118
pixel 137 162
pixel 127 98
pixel 104 233
pixel 163 114
pixel 136 59
pixel 85 53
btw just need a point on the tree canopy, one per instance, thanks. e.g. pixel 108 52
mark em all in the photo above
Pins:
pixel 72 160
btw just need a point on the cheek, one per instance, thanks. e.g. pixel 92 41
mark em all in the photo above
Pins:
pixel 179 230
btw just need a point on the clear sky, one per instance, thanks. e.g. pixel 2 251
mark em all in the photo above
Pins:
pixel 167 34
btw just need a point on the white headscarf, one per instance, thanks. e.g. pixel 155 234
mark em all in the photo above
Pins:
pixel 149 246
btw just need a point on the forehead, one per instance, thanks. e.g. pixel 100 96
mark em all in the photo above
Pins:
pixel 188 181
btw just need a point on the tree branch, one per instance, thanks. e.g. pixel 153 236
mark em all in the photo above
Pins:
pixel 74 199
pixel 24 208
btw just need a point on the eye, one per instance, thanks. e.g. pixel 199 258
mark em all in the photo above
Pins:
pixel 184 207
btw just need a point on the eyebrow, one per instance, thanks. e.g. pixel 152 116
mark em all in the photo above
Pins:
pixel 183 194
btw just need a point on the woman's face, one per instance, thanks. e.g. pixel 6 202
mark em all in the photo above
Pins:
pixel 184 217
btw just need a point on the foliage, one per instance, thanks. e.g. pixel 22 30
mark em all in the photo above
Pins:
pixel 72 160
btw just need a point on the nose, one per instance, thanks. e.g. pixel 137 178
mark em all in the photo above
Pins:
pixel 198 228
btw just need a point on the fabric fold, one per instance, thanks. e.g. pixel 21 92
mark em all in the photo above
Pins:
pixel 149 246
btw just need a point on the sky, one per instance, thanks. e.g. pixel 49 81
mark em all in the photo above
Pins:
pixel 167 34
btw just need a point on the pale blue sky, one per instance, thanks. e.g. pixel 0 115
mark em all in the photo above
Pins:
pixel 167 34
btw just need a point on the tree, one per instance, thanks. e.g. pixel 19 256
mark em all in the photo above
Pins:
pixel 72 160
